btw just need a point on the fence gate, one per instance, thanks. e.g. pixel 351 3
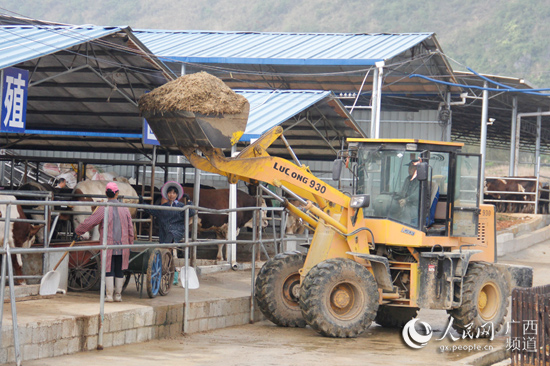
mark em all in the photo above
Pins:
pixel 530 336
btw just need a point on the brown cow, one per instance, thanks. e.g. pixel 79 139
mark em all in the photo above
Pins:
pixel 516 190
pixel 495 185
pixel 528 186
pixel 219 199
pixel 21 234
pixel 544 195
pixel 295 225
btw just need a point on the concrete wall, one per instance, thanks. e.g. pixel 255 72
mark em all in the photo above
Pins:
pixel 50 338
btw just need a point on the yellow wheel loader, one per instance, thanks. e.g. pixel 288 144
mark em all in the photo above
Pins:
pixel 412 235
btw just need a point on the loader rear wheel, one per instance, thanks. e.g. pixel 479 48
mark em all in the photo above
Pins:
pixel 278 287
pixel 394 316
pixel 339 298
pixel 484 300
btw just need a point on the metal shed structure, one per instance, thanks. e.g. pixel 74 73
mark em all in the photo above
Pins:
pixel 360 68
pixel 374 66
pixel 77 76
pixel 85 83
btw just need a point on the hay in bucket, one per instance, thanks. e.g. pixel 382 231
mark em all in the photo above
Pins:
pixel 198 93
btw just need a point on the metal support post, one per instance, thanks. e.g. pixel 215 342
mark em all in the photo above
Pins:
pixel 514 133
pixel 232 220
pixel 483 142
pixel 186 269
pixel 450 121
pixel 196 202
pixel 374 107
pixel 102 287
pixel 537 145
pixel 380 68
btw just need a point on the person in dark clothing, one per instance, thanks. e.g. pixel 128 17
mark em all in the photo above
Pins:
pixel 171 223
pixel 409 196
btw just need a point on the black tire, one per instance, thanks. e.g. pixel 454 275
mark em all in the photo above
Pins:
pixel 394 316
pixel 339 298
pixel 484 300
pixel 277 288
pixel 168 271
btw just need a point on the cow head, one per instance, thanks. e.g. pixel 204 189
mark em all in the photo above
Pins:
pixel 31 235
pixel 294 224
pixel 263 217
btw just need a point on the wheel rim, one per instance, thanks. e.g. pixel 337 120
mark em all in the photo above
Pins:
pixel 83 271
pixel 291 290
pixel 345 300
pixel 488 301
pixel 156 273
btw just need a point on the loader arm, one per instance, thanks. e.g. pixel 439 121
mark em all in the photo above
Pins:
pixel 255 164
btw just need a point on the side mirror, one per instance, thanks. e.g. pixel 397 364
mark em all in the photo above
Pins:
pixel 337 169
pixel 422 171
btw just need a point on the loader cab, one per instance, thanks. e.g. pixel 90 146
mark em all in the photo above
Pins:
pixel 426 185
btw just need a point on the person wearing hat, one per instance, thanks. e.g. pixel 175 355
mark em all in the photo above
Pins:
pixel 120 231
pixel 171 222
pixel 409 196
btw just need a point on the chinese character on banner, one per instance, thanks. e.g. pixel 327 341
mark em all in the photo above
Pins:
pixel 148 134
pixel 14 99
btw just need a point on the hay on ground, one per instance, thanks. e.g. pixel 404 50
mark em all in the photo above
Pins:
pixel 198 93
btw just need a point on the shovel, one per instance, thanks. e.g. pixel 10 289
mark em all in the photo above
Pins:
pixel 50 282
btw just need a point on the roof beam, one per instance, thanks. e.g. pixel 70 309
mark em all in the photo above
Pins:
pixel 81 113
pixel 75 100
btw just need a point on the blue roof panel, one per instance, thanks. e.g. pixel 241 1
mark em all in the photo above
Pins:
pixel 25 42
pixel 277 48
pixel 270 108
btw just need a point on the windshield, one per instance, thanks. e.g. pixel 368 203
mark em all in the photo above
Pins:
pixel 390 179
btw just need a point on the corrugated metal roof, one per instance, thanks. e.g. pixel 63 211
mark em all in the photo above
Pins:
pixel 277 48
pixel 27 42
pixel 270 108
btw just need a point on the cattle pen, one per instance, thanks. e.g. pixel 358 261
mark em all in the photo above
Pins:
pixel 518 194
pixel 185 245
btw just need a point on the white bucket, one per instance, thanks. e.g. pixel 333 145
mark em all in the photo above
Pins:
pixel 192 275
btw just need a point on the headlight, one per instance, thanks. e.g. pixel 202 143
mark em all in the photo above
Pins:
pixel 360 201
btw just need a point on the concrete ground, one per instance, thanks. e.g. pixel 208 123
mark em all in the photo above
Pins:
pixel 263 343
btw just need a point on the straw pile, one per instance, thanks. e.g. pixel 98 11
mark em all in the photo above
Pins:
pixel 198 93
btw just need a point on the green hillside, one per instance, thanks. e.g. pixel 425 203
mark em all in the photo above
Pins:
pixel 505 37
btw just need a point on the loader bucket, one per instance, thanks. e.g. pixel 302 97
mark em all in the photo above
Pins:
pixel 188 129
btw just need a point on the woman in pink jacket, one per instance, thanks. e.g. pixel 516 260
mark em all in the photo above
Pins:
pixel 120 231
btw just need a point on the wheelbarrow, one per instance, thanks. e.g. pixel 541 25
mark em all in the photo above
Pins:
pixel 153 269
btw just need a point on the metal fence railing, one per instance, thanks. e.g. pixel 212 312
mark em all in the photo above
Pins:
pixel 7 266
pixel 509 198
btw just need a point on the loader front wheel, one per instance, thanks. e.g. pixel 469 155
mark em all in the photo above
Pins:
pixel 394 316
pixel 277 289
pixel 339 298
pixel 484 301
